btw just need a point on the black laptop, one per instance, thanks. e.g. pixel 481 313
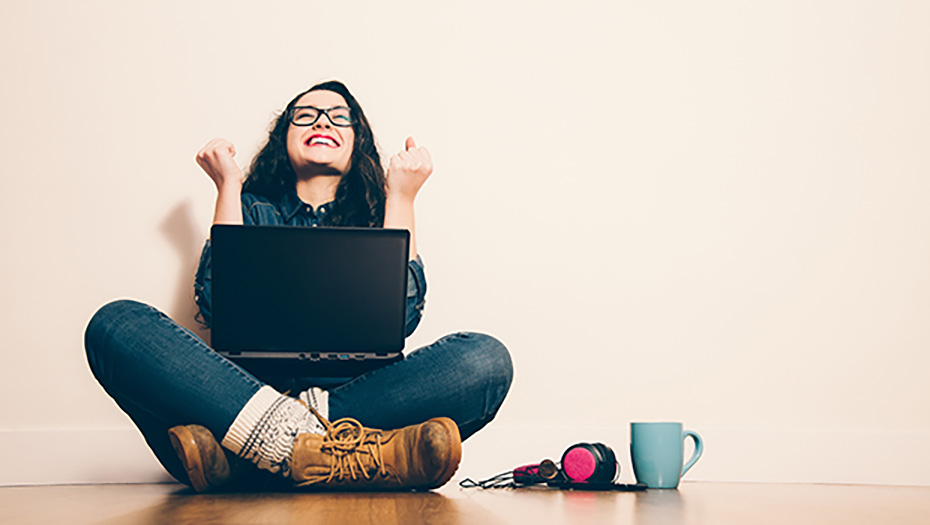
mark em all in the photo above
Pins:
pixel 309 301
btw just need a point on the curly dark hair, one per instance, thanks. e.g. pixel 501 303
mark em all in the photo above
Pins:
pixel 360 195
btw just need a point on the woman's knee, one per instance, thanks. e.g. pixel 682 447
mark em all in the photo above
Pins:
pixel 489 359
pixel 486 366
pixel 105 330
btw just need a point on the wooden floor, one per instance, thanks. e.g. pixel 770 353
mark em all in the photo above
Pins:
pixel 692 503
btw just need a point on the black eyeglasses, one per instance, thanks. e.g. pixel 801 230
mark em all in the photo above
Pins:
pixel 308 115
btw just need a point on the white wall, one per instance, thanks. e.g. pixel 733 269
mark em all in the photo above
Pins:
pixel 712 212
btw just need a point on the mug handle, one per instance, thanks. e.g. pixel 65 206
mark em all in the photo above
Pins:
pixel 698 450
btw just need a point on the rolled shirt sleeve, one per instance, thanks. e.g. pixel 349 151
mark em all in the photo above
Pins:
pixel 203 277
pixel 202 281
pixel 416 293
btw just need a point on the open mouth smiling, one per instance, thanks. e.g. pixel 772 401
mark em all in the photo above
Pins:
pixel 321 140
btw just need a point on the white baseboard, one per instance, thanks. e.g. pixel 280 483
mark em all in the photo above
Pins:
pixel 119 455
pixel 70 456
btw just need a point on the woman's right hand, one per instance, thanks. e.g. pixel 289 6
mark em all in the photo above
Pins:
pixel 216 158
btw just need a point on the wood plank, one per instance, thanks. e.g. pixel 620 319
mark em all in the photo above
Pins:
pixel 692 503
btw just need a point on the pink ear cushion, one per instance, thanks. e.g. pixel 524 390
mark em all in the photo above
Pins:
pixel 579 464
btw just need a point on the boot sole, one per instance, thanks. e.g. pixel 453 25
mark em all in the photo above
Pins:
pixel 186 448
pixel 455 457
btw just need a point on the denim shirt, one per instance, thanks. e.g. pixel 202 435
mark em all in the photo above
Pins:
pixel 289 210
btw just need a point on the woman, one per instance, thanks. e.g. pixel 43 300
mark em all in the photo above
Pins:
pixel 214 425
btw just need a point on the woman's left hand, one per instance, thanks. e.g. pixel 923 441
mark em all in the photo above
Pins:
pixel 407 171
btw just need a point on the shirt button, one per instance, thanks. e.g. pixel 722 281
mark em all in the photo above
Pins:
pixel 308 209
pixel 314 225
pixel 321 210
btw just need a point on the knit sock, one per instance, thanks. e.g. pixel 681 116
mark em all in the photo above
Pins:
pixel 318 399
pixel 266 428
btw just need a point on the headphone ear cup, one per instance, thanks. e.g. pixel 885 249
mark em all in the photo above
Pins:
pixel 528 475
pixel 607 464
pixel 579 462
pixel 589 462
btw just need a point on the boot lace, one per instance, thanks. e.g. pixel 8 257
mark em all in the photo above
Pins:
pixel 356 450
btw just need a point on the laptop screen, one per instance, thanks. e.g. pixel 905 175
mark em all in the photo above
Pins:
pixel 280 289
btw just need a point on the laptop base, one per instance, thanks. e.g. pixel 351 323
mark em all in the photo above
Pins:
pixel 312 364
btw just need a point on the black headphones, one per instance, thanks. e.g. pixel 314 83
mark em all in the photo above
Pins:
pixel 584 466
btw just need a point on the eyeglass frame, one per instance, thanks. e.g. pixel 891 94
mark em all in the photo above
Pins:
pixel 322 112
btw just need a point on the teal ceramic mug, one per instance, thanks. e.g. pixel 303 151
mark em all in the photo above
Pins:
pixel 657 450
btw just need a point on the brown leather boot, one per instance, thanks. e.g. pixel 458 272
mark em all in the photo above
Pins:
pixel 350 456
pixel 209 466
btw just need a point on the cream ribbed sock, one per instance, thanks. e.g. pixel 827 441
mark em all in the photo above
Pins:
pixel 267 426
pixel 318 399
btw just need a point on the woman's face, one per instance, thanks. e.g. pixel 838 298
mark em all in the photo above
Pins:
pixel 321 147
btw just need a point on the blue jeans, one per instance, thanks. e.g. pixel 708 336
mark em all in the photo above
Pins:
pixel 162 375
